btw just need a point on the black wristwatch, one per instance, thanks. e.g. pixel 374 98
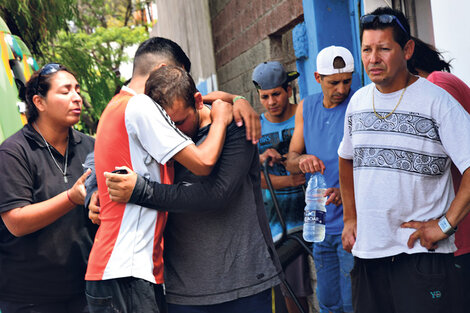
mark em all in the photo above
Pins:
pixel 446 227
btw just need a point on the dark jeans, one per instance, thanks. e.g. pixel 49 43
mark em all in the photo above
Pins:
pixel 76 304
pixel 258 303
pixel 463 265
pixel 415 283
pixel 125 295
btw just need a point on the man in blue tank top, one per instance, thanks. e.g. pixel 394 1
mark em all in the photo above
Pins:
pixel 277 126
pixel 318 132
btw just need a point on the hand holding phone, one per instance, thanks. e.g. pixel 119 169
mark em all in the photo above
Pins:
pixel 120 171
pixel 120 186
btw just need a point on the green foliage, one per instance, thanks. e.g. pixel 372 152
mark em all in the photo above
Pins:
pixel 95 59
pixel 105 13
pixel 37 20
pixel 87 36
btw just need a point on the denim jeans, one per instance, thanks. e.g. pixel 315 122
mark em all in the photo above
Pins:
pixel 333 266
pixel 125 295
pixel 258 303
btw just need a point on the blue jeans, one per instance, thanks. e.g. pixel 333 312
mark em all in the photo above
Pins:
pixel 258 303
pixel 333 266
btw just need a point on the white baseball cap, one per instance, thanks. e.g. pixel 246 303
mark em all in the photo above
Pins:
pixel 327 56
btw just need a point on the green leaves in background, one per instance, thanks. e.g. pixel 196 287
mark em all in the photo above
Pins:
pixel 95 59
pixel 87 36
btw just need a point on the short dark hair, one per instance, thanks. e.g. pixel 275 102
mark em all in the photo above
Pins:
pixel 399 35
pixel 285 86
pixel 426 58
pixel 152 49
pixel 41 88
pixel 169 83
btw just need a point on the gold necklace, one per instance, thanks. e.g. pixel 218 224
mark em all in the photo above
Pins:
pixel 399 100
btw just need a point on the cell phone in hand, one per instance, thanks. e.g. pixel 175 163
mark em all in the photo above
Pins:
pixel 120 171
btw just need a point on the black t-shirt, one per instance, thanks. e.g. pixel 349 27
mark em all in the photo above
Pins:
pixel 49 264
pixel 218 246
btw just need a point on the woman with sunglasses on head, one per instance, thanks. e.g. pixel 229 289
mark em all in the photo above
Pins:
pixel 45 234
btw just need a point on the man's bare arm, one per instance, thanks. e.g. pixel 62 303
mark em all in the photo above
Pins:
pixel 297 161
pixel 346 182
pixel 297 144
pixel 280 182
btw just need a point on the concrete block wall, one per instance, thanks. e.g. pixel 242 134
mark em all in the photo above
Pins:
pixel 248 32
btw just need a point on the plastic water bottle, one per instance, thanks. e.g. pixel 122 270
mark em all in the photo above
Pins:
pixel 315 210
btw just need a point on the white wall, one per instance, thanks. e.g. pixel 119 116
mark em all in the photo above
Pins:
pixel 126 67
pixel 451 34
pixel 425 28
pixel 188 24
pixel 371 5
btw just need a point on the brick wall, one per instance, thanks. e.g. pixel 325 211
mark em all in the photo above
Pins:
pixel 248 32
pixel 241 24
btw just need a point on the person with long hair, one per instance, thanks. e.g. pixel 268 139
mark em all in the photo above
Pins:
pixel 429 63
pixel 45 234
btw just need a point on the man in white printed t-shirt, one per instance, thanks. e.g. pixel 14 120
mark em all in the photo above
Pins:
pixel 400 135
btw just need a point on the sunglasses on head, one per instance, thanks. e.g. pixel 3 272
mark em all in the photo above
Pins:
pixel 46 70
pixel 383 19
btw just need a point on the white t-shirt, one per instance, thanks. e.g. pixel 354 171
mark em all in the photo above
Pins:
pixel 401 164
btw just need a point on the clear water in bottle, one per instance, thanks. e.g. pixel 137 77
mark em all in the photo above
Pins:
pixel 315 210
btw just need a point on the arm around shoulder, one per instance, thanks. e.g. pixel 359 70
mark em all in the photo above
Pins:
pixel 212 193
pixel 243 113
pixel 201 159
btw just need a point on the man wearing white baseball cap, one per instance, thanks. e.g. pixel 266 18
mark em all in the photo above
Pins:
pixel 313 148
